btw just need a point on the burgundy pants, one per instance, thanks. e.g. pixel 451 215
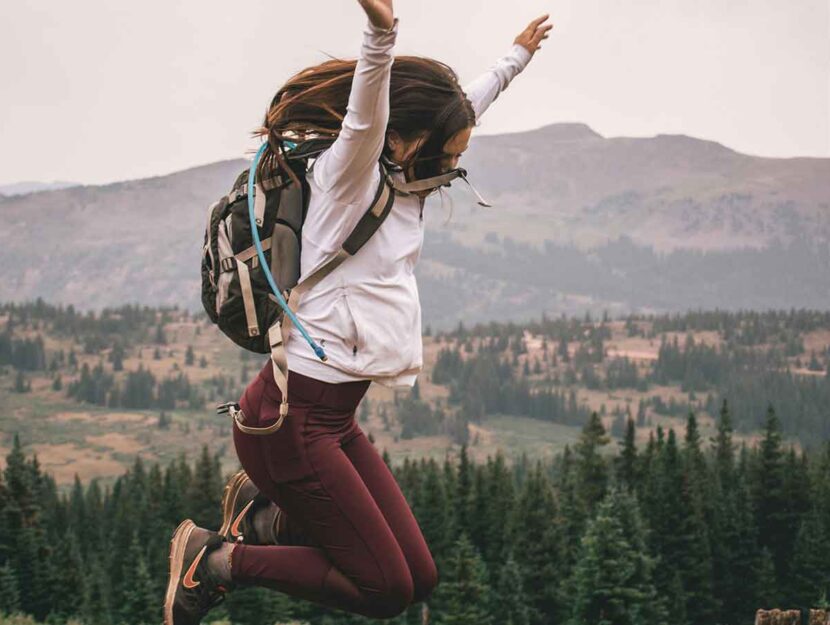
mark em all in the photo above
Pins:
pixel 368 555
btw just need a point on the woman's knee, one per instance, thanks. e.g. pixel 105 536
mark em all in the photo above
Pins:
pixel 393 599
pixel 425 580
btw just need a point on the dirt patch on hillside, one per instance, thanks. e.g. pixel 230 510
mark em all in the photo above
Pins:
pixel 485 436
pixel 117 442
pixel 817 340
pixel 124 417
pixel 64 460
pixel 65 417
pixel 88 417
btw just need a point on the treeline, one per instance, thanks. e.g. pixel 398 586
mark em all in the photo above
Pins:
pixel 139 391
pixel 746 327
pixel 113 335
pixel 488 369
pixel 749 327
pixel 486 383
pixel 130 323
pixel 749 379
pixel 664 533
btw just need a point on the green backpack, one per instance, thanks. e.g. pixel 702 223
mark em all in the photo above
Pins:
pixel 235 293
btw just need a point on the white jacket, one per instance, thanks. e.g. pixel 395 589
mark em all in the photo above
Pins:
pixel 366 314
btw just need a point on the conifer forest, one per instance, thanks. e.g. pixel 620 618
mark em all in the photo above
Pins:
pixel 694 490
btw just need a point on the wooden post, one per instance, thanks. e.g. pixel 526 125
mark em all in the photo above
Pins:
pixel 819 617
pixel 778 617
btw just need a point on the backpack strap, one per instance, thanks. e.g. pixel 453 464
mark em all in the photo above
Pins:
pixel 309 148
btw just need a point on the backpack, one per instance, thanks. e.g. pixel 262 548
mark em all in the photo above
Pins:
pixel 237 293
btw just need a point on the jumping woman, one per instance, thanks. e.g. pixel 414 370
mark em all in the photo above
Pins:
pixel 316 513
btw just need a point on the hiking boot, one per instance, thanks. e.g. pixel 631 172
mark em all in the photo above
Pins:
pixel 241 501
pixel 193 588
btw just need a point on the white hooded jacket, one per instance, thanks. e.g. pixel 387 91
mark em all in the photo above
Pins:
pixel 366 314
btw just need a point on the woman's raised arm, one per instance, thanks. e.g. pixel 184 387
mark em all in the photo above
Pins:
pixel 349 167
pixel 486 88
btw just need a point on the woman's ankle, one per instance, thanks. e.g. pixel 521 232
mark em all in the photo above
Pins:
pixel 220 563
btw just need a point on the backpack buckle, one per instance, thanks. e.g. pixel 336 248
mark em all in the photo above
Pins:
pixel 226 408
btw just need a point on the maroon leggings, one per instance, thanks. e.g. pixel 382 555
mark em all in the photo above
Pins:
pixel 369 555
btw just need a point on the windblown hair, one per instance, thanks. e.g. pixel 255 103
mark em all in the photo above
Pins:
pixel 424 97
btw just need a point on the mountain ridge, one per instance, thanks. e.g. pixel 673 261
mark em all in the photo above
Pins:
pixel 563 189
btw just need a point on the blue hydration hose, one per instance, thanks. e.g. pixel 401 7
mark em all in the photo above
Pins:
pixel 262 262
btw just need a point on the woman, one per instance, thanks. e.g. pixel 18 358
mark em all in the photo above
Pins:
pixel 316 512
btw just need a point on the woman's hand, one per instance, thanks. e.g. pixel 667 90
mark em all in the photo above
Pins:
pixel 380 12
pixel 531 37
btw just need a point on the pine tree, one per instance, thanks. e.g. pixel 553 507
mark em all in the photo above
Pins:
pixel 538 548
pixel 626 462
pixel 693 454
pixel 771 496
pixel 21 506
pixel 798 488
pixel 666 514
pixel 20 383
pixel 432 509
pixel 161 337
pixel 590 465
pixel 116 357
pixel 464 595
pixel 737 562
pixel 9 591
pixel 571 511
pixel 698 570
pixel 811 569
pixel 498 511
pixel 68 583
pixel 140 605
pixel 463 503
pixel 611 583
pixel 724 448
pixel 476 528
pixel 205 493
pixel 32 572
pixel 97 608
pixel 511 602
pixel 767 593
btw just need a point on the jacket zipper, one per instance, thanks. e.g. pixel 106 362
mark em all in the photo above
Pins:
pixel 356 336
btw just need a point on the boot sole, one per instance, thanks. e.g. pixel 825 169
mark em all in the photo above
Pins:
pixel 229 497
pixel 176 559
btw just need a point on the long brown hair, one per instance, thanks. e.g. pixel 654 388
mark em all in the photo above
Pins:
pixel 424 97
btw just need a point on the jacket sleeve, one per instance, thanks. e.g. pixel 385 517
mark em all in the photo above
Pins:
pixel 349 167
pixel 483 91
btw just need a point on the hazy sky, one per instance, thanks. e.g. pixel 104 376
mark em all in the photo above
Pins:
pixel 96 91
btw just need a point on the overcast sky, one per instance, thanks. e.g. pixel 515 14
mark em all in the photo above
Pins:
pixel 96 91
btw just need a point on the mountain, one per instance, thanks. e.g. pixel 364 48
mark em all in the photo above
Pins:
pixel 579 222
pixel 668 191
pixel 21 188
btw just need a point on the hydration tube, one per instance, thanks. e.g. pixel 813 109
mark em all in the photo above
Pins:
pixel 262 263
